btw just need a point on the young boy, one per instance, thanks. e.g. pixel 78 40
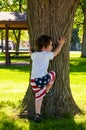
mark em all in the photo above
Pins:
pixel 41 79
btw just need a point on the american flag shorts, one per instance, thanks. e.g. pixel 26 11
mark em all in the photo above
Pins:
pixel 40 92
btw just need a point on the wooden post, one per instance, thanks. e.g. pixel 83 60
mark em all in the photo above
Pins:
pixel 2 40
pixel 7 55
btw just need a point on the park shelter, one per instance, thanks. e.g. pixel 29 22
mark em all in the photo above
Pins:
pixel 12 21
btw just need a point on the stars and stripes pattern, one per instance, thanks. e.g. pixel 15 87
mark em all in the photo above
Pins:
pixel 41 92
pixel 41 82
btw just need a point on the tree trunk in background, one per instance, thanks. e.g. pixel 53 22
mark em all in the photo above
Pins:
pixel 53 18
pixel 18 42
pixel 2 40
pixel 19 31
pixel 84 34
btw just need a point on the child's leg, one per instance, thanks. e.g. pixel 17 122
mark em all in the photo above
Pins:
pixel 39 94
pixel 38 104
pixel 50 84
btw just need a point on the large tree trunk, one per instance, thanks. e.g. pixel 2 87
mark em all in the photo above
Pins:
pixel 54 18
pixel 84 34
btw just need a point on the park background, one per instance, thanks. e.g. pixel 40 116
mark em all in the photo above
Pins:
pixel 14 80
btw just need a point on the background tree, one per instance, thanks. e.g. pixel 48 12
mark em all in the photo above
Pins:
pixel 54 18
pixel 1 41
pixel 75 40
pixel 83 5
pixel 80 22
pixel 19 31
pixel 77 27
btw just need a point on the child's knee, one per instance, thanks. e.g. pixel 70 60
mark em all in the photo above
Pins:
pixel 52 76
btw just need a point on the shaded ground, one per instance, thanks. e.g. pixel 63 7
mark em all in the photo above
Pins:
pixel 15 63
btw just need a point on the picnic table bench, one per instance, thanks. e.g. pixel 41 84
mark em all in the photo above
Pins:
pixel 17 55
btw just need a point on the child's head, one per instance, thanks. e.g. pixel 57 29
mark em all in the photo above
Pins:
pixel 43 41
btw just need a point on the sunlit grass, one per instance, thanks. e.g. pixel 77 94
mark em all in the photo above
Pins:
pixel 78 79
pixel 13 85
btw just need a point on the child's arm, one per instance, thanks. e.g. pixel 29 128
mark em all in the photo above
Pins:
pixel 61 43
pixel 30 50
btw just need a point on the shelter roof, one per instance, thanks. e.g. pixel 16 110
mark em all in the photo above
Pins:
pixel 13 20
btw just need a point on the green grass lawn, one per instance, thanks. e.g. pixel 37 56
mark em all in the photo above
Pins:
pixel 13 85
pixel 78 79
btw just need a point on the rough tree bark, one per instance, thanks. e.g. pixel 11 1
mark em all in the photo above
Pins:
pixel 54 18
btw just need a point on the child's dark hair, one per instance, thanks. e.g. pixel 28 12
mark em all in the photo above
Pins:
pixel 44 40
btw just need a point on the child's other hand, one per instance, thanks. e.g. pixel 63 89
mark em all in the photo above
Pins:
pixel 30 49
pixel 62 40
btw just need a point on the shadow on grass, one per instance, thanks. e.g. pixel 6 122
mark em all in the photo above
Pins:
pixel 22 68
pixel 78 65
pixel 57 124
pixel 8 124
